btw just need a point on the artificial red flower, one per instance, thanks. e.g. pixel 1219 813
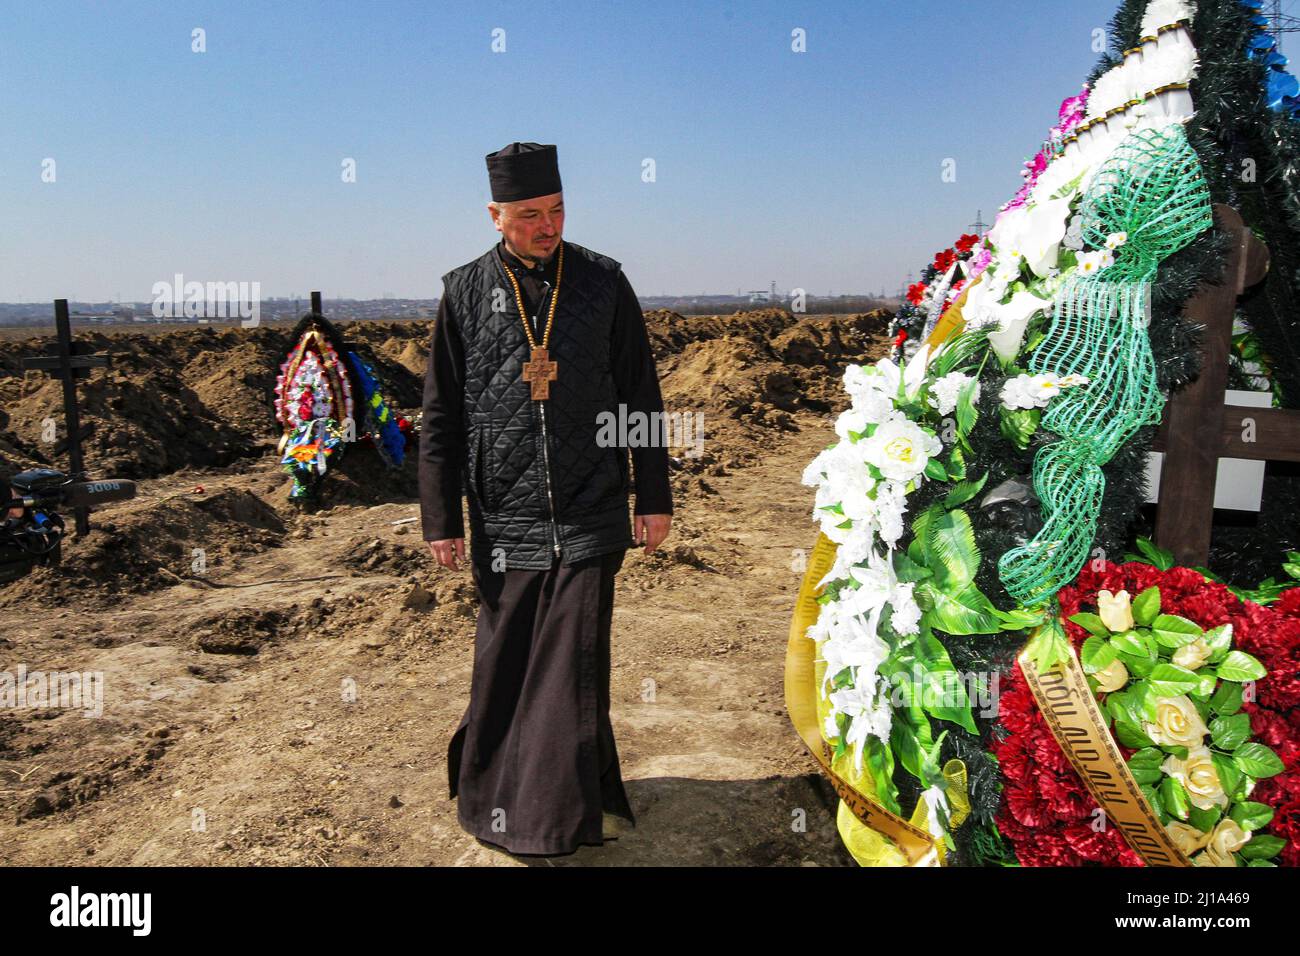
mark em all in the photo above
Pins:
pixel 1046 812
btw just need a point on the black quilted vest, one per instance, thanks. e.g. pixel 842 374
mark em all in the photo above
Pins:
pixel 513 519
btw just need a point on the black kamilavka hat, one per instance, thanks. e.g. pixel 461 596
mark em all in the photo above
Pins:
pixel 523 171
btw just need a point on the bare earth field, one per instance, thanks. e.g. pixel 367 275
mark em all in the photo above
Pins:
pixel 281 683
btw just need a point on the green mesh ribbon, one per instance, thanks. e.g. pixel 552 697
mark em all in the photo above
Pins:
pixel 1151 188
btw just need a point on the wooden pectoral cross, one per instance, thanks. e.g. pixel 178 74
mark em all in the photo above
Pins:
pixel 540 371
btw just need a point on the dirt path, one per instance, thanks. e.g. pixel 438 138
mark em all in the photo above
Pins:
pixel 272 720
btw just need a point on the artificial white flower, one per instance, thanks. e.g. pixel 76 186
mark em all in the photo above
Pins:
pixel 1035 232
pixel 945 392
pixel 1116 239
pixel 1035 391
pixel 907 613
pixel 859 545
pixel 852 419
pixel 830 729
pixel 1093 262
pixel 1161 13
pixel 855 645
pixel 900 449
pixel 870 717
pixel 869 391
pixel 886 376
pixel 1012 319
pixel 891 505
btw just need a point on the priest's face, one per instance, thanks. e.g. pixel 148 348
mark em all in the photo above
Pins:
pixel 532 227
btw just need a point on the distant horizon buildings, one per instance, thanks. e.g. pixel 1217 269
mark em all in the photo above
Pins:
pixel 394 308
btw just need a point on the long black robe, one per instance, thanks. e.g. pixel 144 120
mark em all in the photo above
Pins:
pixel 533 762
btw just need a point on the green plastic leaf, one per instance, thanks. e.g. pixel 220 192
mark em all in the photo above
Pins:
pixel 934 469
pixel 1208 681
pixel 1256 760
pixel 1227 699
pixel 951 552
pixel 880 761
pixel 1138 666
pixel 902 741
pixel 1162 559
pixel 1170 630
pixel 1146 700
pixel 1146 606
pixel 1204 820
pixel 1229 776
pixel 908 570
pixel 1018 426
pixel 1174 797
pixel 1262 846
pixel 1219 640
pixel 1121 706
pixel 1019 618
pixel 964 491
pixel 943 694
pixel 1097 655
pixel 1170 680
pixel 1251 815
pixel 966 411
pixel 1239 666
pixel 1131 735
pixel 957 464
pixel 1091 623
pixel 1153 798
pixel 1229 733
pixel 1129 642
pixel 968 613
pixel 1145 765
pixel 1048 646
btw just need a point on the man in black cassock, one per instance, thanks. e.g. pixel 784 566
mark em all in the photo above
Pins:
pixel 534 340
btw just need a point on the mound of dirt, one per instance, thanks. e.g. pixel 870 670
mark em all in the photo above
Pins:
pixel 748 375
pixel 193 398
pixel 150 542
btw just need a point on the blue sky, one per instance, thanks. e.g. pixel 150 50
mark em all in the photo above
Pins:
pixel 819 170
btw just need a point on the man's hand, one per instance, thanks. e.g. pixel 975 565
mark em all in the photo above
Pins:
pixel 651 530
pixel 448 551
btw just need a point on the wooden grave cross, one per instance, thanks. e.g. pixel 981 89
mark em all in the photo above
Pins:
pixel 1198 429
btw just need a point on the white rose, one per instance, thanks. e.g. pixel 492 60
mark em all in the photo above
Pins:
pixel 900 449
pixel 1178 723
pixel 1115 611
pixel 1192 655
pixel 1112 677
pixel 1198 776
pixel 1186 837
pixel 1226 839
